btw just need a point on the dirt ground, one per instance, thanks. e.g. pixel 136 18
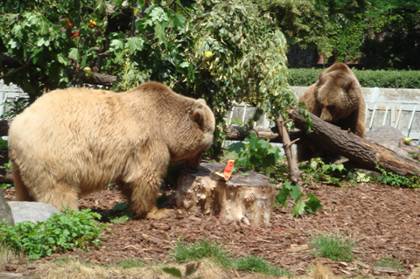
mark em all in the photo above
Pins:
pixel 383 221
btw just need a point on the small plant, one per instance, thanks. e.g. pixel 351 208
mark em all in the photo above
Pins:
pixel 333 247
pixel 254 154
pixel 202 249
pixel 390 262
pixel 61 232
pixel 257 264
pixel 130 263
pixel 3 144
pixel 327 173
pixel 205 249
pixel 394 179
pixel 302 203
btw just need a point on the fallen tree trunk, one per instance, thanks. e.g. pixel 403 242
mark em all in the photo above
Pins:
pixel 362 152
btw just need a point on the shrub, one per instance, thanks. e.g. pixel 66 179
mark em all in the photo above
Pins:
pixel 204 249
pixel 61 232
pixel 333 247
pixel 367 78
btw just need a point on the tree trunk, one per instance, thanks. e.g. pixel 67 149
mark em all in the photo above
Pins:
pixel 294 173
pixel 360 151
pixel 247 197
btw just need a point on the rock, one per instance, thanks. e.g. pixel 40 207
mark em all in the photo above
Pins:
pixel 389 137
pixel 31 211
pixel 5 212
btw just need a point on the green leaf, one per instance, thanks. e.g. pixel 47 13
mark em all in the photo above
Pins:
pixel 295 192
pixel 312 204
pixel 74 54
pixel 299 208
pixel 135 44
pixel 61 59
pixel 282 196
pixel 173 271
pixel 184 64
pixel 116 44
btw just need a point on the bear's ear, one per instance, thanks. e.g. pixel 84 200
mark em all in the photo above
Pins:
pixel 197 115
pixel 201 101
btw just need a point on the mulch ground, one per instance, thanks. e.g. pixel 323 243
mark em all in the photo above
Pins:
pixel 383 221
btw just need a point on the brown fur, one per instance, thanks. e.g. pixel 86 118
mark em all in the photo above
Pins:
pixel 337 98
pixel 75 141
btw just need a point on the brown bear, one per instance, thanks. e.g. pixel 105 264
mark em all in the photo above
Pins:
pixel 71 142
pixel 336 98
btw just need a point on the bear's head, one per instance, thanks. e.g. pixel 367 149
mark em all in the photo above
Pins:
pixel 196 135
pixel 337 95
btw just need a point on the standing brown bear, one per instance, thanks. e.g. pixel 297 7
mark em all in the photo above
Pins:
pixel 75 141
pixel 336 98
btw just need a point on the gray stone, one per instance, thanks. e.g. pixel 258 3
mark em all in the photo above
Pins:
pixel 31 211
pixel 389 137
pixel 5 212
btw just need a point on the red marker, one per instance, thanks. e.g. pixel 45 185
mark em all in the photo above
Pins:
pixel 227 173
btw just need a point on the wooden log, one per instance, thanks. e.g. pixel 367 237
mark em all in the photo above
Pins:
pixel 247 197
pixel 362 152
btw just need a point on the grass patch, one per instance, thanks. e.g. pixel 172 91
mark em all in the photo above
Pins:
pixel 130 263
pixel 333 247
pixel 204 249
pixel 257 264
pixel 389 262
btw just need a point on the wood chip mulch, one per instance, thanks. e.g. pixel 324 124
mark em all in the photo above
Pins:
pixel 382 221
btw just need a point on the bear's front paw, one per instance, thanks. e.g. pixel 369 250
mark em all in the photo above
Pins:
pixel 160 213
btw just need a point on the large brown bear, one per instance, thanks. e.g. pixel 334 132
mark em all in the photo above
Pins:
pixel 336 98
pixel 75 141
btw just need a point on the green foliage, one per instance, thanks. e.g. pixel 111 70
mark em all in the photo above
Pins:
pixel 257 264
pixel 390 262
pixel 394 179
pixel 61 232
pixel 220 51
pixel 327 173
pixel 254 154
pixel 130 263
pixel 204 249
pixel 350 30
pixel 333 247
pixel 302 203
pixel 367 78
pixel 3 144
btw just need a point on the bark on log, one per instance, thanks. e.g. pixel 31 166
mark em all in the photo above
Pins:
pixel 366 154
pixel 246 197
pixel 102 79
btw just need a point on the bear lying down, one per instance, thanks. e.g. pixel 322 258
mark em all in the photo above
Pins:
pixel 75 141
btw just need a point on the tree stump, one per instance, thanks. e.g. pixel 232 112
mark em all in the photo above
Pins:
pixel 246 197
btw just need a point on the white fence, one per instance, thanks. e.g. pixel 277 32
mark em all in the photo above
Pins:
pixel 399 108
pixel 9 94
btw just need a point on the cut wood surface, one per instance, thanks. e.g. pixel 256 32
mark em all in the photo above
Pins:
pixel 365 153
pixel 246 197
